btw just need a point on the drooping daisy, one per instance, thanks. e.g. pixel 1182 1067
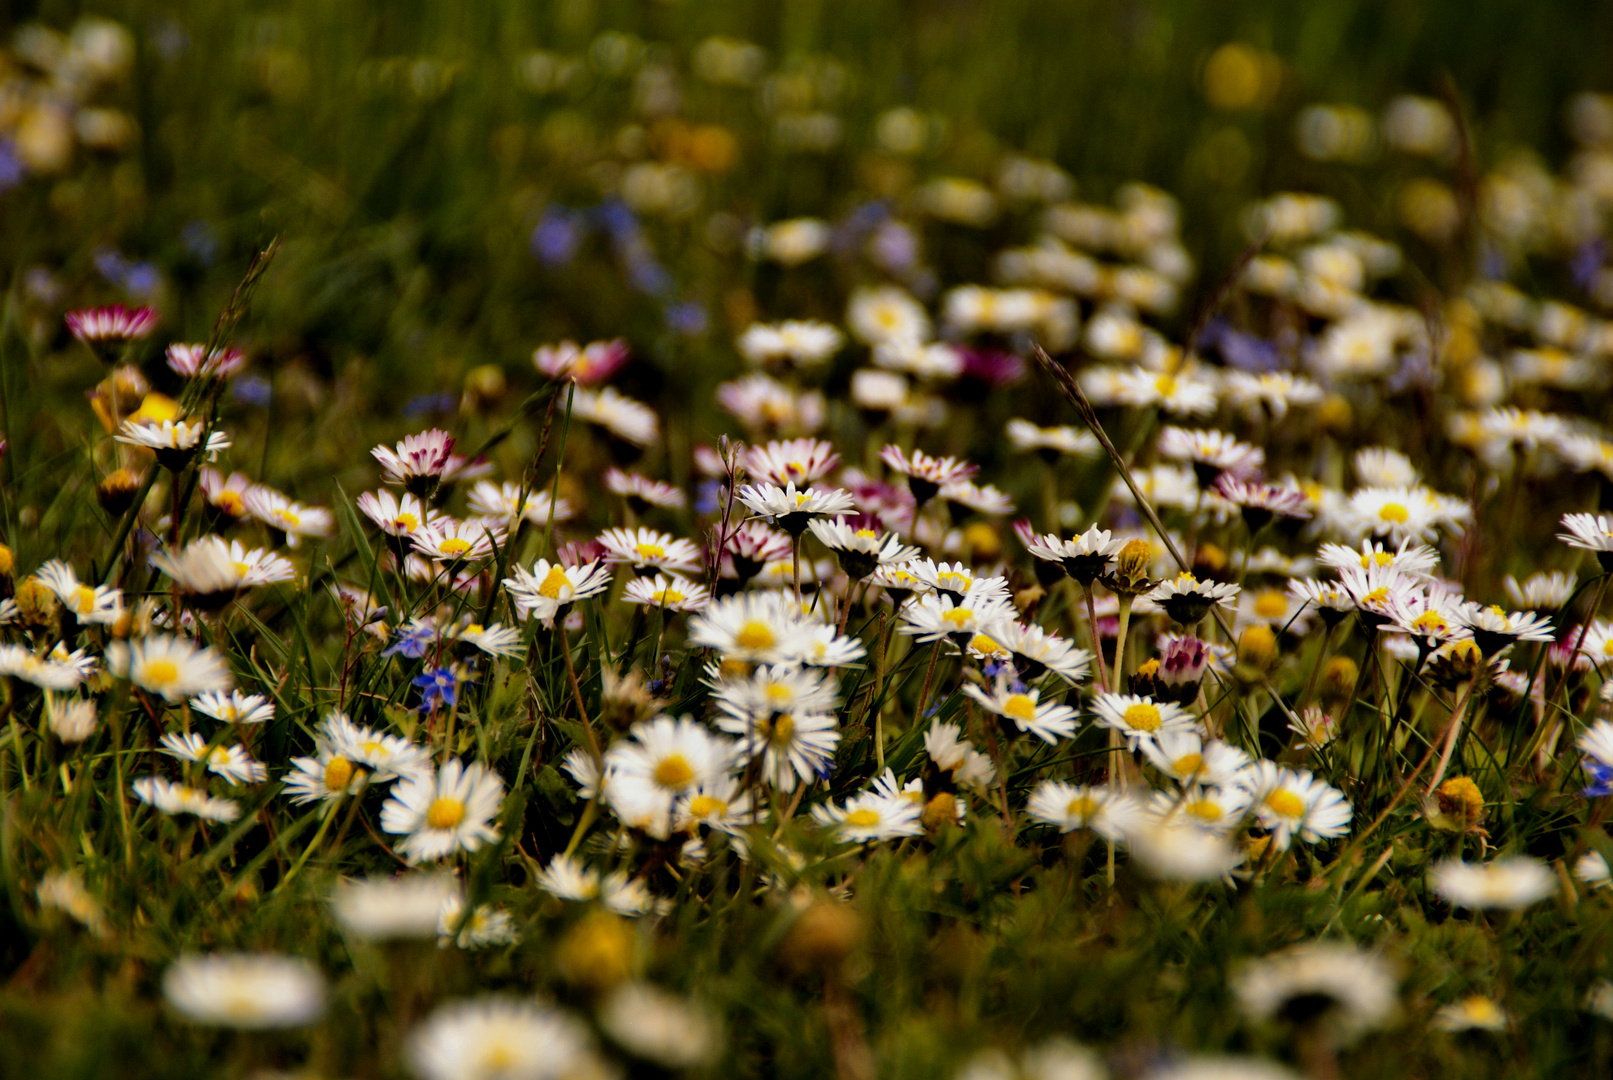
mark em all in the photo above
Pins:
pixel 871 817
pixel 647 550
pixel 250 991
pixel 1107 811
pixel 113 324
pixel 1290 803
pixel 860 545
pixel 1140 719
pixel 172 798
pixel 1510 883
pixel 926 475
pixel 226 496
pixel 72 720
pixel 231 762
pixel 670 593
pixel 1348 989
pixel 548 587
pixel 88 603
pixel 175 442
pixel 285 515
pixel 418 462
pixel 1047 720
pixel 1494 629
pixel 169 666
pixel 439 814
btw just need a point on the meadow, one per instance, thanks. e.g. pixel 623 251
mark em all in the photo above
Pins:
pixel 973 540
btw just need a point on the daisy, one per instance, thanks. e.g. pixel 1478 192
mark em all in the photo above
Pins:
pixel 396 517
pixel 486 925
pixel 1218 809
pixel 1261 503
pixel 1212 454
pixel 1273 391
pixel 1287 803
pixel 640 491
pixel 955 755
pixel 172 798
pixel 804 343
pixel 669 1031
pixel 1379 592
pixel 1593 533
pixel 387 757
pixel 327 776
pixel 925 361
pixel 1547 592
pixel 493 639
pixel 1509 883
pixel 965 495
pixel 1406 512
pixel 210 570
pixel 19 662
pixel 754 627
pixel 669 755
pixel 1107 811
pixel 628 420
pixel 646 550
pixel 1048 721
pixel 1284 610
pixel 1592 869
pixel 396 908
pixel 439 814
pixel 169 666
pixel 1494 629
pixel 1036 651
pixel 73 720
pixel 114 324
pixel 1473 1013
pixel 1051 443
pixel 250 991
pixel 1181 852
pixel 886 313
pixel 926 475
pixel 506 504
pixel 500 1038
pixel 549 587
pixel 418 462
pixel 671 593
pixel 1141 719
pixel 861 548
pixel 1415 560
pixel 285 515
pixel 1179 393
pixel 719 804
pixel 956 580
pixel 1190 759
pixel 450 542
pixel 871 817
pixel 763 404
pixel 1597 742
pixel 935 616
pixel 230 762
pixel 88 603
pixel 792 509
pixel 588 366
pixel 1379 466
pixel 194 361
pixel 1085 559
pixel 802 462
pixel 65 891
pixel 1187 600
pixel 1432 616
pixel 751 546
pixel 175 442
pixel 1349 990
pixel 227 496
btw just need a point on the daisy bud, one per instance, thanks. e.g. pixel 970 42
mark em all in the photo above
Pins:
pixel 982 542
pixel 1338 683
pixel 1461 801
pixel 940 811
pixel 1181 670
pixel 1334 415
pixel 8 564
pixel 1145 680
pixel 821 938
pixel 1209 561
pixel 117 490
pixel 1257 651
pixel 485 386
pixel 1131 568
pixel 36 605
pixel 597 952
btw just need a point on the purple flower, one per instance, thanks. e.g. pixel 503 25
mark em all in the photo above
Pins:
pixel 994 367
pixel 558 236
pixel 438 686
pixel 1603 777
pixel 412 641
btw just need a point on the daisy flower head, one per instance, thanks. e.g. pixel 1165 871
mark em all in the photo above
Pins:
pixel 175 442
pixel 859 544
pixel 1596 742
pixel 1494 628
pixel 801 343
pixel 648 551
pixel 398 518
pixel 1085 559
pixel 1037 651
pixel 417 463
pixel 884 314
pixel 670 593
pixel 1593 533
pixel 234 707
pixel 1544 591
pixel 509 505
pixel 1273 392
pixel 639 490
pixel 1349 990
pixel 392 908
pixel 668 755
pixel 629 421
pixel 194 361
pixel 1190 759
pixel 965 497
pixel 751 545
pixel 1415 560
pixel 441 812
pixel 230 762
pixel 1187 600
pixel 249 991
pixel 1174 851
pixel 802 462
pixel 791 508
pixel 934 616
pixel 756 627
pixel 111 325
pixel 86 603
pixel 588 366
pixel 328 775
pixel 285 515
pixel 926 475
pixel 46 672
pixel 871 817
pixel 173 799
pixel 500 1038
pixel 225 496
pixel 386 757
pixel 1431 615
pixel 483 926
pixel 1050 444
pixel 1473 1013
pixel 168 666
pixel 1179 393
pixel 71 720
pixel 1260 503
pixel 1141 719
pixel 655 1026
pixel 1289 803
pixel 1047 720
pixel 548 587
pixel 763 404
pixel 1216 809
pixel 492 639
pixel 934 361
pixel 451 542
pixel 1107 811
pixel 957 580
pixel 1407 513
pixel 1509 883
pixel 1379 592
pixel 1212 453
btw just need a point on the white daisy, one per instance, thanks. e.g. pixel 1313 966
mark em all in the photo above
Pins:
pixel 1141 719
pixel 169 666
pixel 251 991
pixel 1107 811
pixel 1048 721
pixel 172 798
pixel 439 814
pixel 1509 883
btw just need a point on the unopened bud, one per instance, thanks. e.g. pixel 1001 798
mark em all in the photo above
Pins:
pixel 984 545
pixel 1460 798
pixel 1338 682
pixel 823 935
pixel 1131 568
pixel 1257 651
pixel 940 811
pixel 36 605
pixel 117 490
pixel 597 952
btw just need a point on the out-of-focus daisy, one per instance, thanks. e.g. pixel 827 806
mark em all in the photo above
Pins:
pixel 1260 503
pixel 871 817
pixel 230 762
pixel 886 313
pixel 113 324
pixel 765 405
pixel 175 442
pixel 1274 392
pixel 1216 809
pixel 20 662
pixel 1180 393
pixel 251 991
pixel 1047 720
pixel 1592 869
pixel 1545 591
pixel 1473 1013
pixel 211 570
pixel 628 420
pixel 64 890
pixel 1107 811
pixel 1407 512
pixel 194 361
pixel 800 342
pixel 500 1038
pixel 71 720
pixel 590 365
pixel 234 707
pixel 1140 719
pixel 385 909
pixel 1510 883
pixel 285 515
pixel 443 812
pixel 670 593
pixel 1211 453
pixel 1293 803
pixel 169 666
pixel 649 1023
pixel 1180 852
pixel 755 627
pixel 802 462
pixel 926 475
pixel 225 495
pixel 964 497
pixel 1051 443
pixel 88 603
pixel 647 550
pixel 548 587
pixel 505 504
pixel 1190 759
pixel 172 798
pixel 640 491
pixel 1349 990
pixel 485 926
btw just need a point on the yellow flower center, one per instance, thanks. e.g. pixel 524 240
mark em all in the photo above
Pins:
pixel 954 582
pixel 984 645
pixel 648 552
pixel 866 534
pixel 1082 806
pixel 1166 385
pixel 454 546
pixel 674 771
pixel 83 600
pixel 338 774
pixel 1430 623
pixel 863 819
pixel 755 635
pixel 1142 717
pixel 219 756
pixel 1393 512
pixel 1286 803
pixel 445 813
pixel 406 522
pixel 668 597
pixel 1188 765
pixel 231 503
pixel 554 583
pixel 497 1058
pixel 286 520
pixel 777 692
pixel 160 672
pixel 1204 809
pixel 781 730
pixel 1271 604
pixel 702 806
pixel 1376 596
pixel 957 616
pixel 1020 707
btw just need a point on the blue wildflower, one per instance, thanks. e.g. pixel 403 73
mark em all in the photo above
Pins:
pixel 1603 777
pixel 438 686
